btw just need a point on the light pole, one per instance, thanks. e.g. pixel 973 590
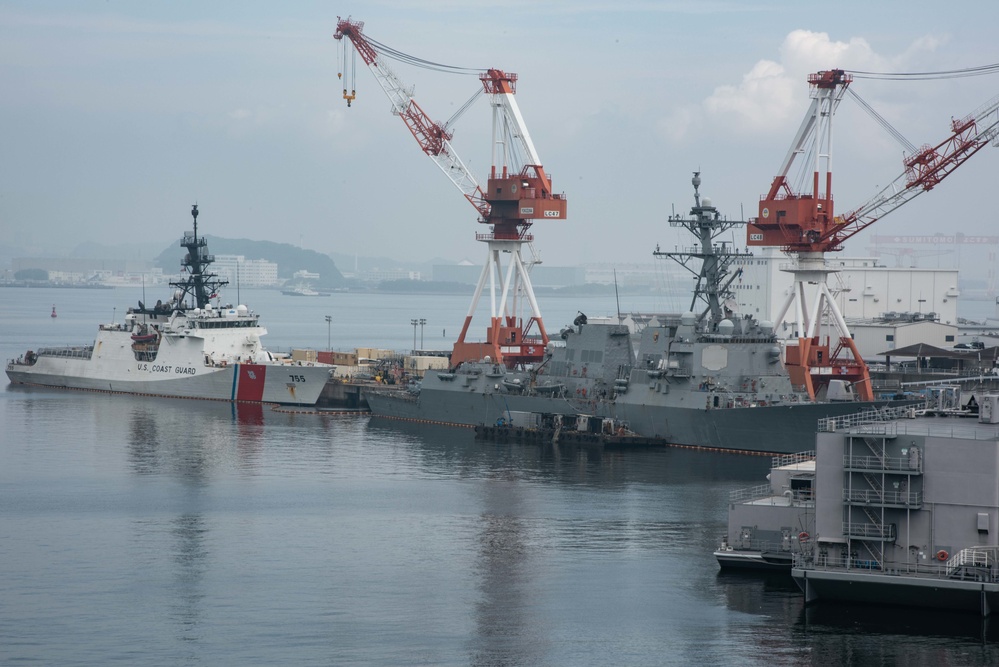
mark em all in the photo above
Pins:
pixel 422 322
pixel 414 323
pixel 329 328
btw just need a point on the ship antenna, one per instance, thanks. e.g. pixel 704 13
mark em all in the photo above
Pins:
pixel 617 298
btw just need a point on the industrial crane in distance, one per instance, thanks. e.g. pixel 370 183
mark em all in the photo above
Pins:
pixel 518 192
pixel 805 226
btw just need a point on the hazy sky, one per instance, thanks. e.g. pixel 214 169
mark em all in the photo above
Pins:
pixel 116 116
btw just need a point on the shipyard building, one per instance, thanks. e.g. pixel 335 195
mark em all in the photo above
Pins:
pixel 886 308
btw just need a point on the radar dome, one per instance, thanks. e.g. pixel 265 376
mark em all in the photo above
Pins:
pixel 706 202
pixel 242 310
pixel 766 326
pixel 726 327
pixel 688 319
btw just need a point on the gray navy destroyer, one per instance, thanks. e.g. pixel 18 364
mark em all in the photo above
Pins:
pixel 705 378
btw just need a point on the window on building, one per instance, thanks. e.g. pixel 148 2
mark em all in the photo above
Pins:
pixel 949 339
pixel 890 338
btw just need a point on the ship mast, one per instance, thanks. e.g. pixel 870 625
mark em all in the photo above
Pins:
pixel 200 285
pixel 713 279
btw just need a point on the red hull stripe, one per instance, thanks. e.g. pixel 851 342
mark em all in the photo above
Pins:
pixel 250 382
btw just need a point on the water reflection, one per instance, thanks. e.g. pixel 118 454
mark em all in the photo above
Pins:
pixel 143 437
pixel 829 618
pixel 191 438
pixel 760 593
pixel 836 633
pixel 454 450
pixel 505 632
pixel 190 558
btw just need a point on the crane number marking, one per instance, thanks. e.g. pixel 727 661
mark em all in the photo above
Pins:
pixel 551 214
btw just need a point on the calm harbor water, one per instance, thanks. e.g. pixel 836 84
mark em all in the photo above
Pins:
pixel 161 532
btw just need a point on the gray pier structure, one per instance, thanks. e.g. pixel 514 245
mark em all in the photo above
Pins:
pixel 906 511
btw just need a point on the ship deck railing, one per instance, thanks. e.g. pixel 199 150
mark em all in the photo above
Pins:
pixel 85 352
pixel 765 546
pixel 974 563
pixel 888 463
pixel 763 494
pixel 749 494
pixel 883 497
pixel 977 557
pixel 894 421
pixel 783 460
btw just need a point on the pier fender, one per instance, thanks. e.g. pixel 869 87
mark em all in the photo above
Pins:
pixel 942 555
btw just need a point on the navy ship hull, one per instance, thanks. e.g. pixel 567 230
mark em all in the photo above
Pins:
pixel 768 429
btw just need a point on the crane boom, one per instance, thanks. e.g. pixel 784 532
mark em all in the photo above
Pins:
pixel 923 171
pixel 432 136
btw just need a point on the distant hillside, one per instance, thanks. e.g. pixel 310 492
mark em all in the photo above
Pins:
pixel 289 258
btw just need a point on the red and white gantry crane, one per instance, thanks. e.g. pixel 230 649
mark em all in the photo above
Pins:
pixel 805 226
pixel 518 192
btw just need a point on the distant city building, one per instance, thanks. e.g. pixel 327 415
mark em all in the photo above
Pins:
pixel 82 270
pixel 381 275
pixel 304 276
pixel 632 275
pixel 81 265
pixel 246 272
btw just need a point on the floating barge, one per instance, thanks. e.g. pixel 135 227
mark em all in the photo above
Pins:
pixel 548 429
pixel 906 511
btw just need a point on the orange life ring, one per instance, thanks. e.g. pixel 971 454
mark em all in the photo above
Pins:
pixel 942 555
pixel 802 536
